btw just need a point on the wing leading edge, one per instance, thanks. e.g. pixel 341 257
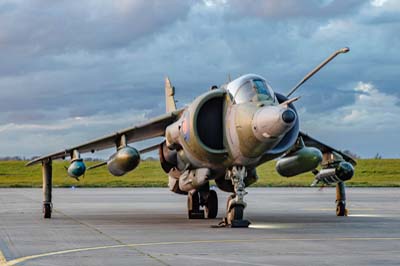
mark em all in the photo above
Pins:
pixel 309 141
pixel 151 129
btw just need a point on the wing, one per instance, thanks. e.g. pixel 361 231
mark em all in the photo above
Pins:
pixel 151 129
pixel 309 141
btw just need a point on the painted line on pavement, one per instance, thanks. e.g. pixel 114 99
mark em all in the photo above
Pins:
pixel 23 259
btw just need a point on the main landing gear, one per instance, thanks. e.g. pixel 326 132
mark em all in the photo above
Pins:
pixel 341 200
pixel 206 198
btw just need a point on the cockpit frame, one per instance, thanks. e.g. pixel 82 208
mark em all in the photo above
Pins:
pixel 250 88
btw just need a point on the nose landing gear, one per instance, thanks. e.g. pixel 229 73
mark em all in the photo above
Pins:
pixel 236 205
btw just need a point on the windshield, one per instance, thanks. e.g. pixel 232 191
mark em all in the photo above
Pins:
pixel 253 91
pixel 263 92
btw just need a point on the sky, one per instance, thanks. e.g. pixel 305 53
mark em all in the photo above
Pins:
pixel 71 71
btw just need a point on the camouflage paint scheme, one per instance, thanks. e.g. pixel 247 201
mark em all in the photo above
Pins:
pixel 224 134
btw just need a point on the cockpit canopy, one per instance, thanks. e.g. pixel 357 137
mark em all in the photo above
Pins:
pixel 250 88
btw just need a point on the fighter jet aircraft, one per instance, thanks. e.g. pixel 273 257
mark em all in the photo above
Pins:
pixel 223 135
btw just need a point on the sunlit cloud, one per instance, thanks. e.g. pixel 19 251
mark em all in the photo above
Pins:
pixel 373 113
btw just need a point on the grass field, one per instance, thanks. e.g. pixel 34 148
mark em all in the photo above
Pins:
pixel 369 172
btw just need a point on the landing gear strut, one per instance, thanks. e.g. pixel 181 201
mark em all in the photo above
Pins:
pixel 236 205
pixel 206 198
pixel 47 186
pixel 341 199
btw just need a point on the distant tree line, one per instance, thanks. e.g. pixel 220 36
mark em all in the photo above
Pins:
pixel 23 158
pixel 13 158
pixel 90 159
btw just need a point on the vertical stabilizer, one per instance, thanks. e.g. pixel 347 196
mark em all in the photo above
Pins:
pixel 169 96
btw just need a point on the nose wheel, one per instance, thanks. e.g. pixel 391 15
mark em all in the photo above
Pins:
pixel 236 213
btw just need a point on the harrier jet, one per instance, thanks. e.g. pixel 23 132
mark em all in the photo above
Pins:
pixel 223 135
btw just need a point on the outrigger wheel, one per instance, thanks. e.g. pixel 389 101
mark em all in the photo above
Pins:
pixel 47 210
pixel 341 209
pixel 341 200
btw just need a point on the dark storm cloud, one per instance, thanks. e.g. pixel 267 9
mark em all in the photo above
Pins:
pixel 55 52
pixel 47 27
pixel 64 51
pixel 74 70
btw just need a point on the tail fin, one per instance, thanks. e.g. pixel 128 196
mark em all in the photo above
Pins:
pixel 169 96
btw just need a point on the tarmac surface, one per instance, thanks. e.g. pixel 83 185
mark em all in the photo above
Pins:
pixel 148 226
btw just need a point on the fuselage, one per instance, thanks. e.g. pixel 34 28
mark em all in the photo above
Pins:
pixel 241 123
pixel 223 136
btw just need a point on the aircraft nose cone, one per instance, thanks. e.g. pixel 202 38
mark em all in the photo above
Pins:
pixel 288 116
pixel 270 123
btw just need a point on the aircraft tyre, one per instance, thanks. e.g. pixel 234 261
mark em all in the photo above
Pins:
pixel 341 199
pixel 236 213
pixel 341 209
pixel 193 202
pixel 47 210
pixel 211 207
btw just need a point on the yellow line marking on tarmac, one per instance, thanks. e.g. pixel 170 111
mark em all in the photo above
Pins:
pixel 3 261
pixel 23 259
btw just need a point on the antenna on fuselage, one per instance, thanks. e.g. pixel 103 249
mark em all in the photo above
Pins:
pixel 315 70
